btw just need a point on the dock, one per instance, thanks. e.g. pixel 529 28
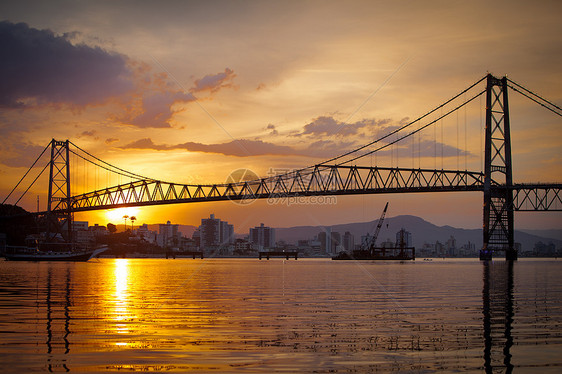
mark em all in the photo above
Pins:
pixel 193 254
pixel 286 254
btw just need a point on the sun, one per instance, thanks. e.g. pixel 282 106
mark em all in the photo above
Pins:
pixel 115 216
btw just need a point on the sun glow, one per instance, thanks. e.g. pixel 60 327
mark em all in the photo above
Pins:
pixel 121 307
pixel 116 216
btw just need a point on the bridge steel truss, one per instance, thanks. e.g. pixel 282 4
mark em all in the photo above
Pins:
pixel 537 197
pixel 322 180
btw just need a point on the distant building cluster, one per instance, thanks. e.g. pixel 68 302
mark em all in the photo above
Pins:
pixel 216 236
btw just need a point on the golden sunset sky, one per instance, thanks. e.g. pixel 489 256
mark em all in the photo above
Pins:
pixel 189 92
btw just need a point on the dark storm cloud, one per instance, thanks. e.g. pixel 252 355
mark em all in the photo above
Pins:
pixel 40 66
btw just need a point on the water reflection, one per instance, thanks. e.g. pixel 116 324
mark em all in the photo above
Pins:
pixel 497 300
pixel 51 301
pixel 294 316
pixel 121 308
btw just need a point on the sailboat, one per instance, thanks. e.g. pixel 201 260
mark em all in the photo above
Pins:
pixel 53 252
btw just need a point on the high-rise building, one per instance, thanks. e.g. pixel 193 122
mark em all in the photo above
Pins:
pixel 335 243
pixel 226 233
pixel 348 241
pixel 262 236
pixel 330 242
pixel 403 236
pixel 214 232
pixel 168 235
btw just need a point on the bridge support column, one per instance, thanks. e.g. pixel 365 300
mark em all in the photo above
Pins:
pixel 498 227
pixel 59 225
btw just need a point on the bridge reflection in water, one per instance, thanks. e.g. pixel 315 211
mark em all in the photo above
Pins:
pixel 497 308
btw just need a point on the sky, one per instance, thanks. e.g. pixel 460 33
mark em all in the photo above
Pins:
pixel 191 91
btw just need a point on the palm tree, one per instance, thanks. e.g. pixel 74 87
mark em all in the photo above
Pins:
pixel 133 219
pixel 125 218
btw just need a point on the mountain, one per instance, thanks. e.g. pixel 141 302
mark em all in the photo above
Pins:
pixel 551 234
pixel 422 232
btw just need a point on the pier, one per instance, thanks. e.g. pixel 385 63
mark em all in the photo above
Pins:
pixel 287 254
pixel 194 254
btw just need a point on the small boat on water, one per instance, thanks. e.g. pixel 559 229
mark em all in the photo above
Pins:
pixel 34 253
pixel 406 253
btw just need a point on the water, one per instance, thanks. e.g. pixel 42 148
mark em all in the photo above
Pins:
pixel 246 315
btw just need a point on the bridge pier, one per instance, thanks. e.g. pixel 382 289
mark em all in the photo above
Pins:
pixel 487 255
pixel 498 227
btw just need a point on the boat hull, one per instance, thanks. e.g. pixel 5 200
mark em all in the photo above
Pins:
pixel 54 256
pixel 380 255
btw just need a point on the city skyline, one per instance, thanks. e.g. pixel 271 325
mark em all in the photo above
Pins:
pixel 194 92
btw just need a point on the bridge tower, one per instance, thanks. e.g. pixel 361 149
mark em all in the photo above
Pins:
pixel 59 215
pixel 498 226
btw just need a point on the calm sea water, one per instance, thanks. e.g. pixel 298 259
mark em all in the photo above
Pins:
pixel 246 315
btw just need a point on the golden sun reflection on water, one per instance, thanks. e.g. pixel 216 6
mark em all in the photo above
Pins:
pixel 121 309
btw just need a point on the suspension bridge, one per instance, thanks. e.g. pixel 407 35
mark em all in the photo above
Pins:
pixel 339 175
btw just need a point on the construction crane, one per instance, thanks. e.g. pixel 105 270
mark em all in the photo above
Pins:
pixel 370 244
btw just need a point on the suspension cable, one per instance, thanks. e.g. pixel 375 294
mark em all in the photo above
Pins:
pixel 126 173
pixel 406 125
pixel 32 183
pixel 27 172
pixel 104 167
pixel 536 101
pixel 310 169
pixel 415 131
pixel 534 94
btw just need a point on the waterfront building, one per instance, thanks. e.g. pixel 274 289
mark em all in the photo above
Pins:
pixel 242 247
pixel 214 233
pixel 196 236
pixel 348 242
pixel 144 233
pixel 168 235
pixel 262 236
pixel 405 236
pixel 227 233
pixel 81 232
pixel 98 231
pixel 451 247
pixel 330 242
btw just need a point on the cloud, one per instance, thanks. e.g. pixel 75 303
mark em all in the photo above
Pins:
pixel 156 109
pixel 329 126
pixel 273 129
pixel 40 67
pixel 111 140
pixel 18 154
pixel 248 148
pixel 214 82
pixel 238 148
pixel 91 133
